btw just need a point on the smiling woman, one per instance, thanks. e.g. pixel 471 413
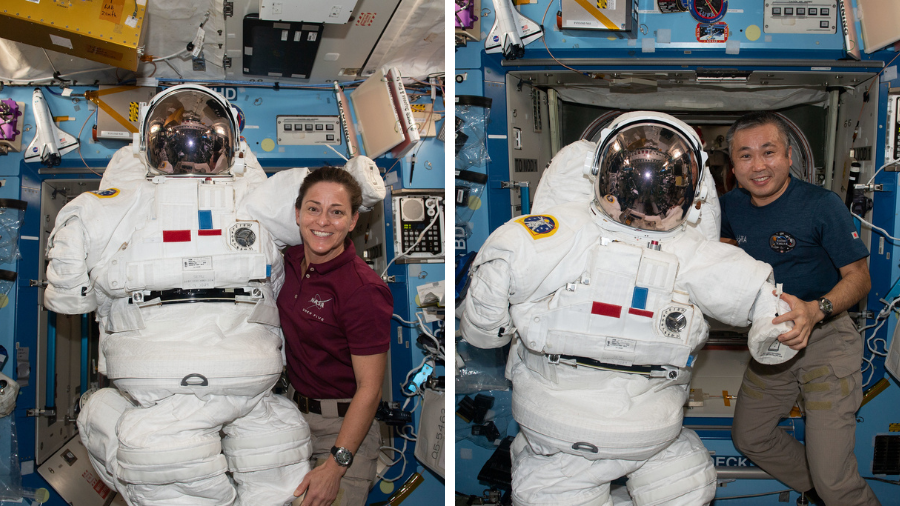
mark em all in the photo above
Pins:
pixel 325 215
pixel 335 314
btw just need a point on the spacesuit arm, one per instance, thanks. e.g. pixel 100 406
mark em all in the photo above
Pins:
pixel 69 289
pixel 486 322
pixel 734 288
pixel 272 204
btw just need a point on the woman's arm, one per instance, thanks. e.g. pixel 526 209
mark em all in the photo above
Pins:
pixel 323 483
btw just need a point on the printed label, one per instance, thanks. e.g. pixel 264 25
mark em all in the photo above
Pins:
pixel 196 263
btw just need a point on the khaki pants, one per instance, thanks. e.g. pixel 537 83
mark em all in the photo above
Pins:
pixel 360 477
pixel 826 375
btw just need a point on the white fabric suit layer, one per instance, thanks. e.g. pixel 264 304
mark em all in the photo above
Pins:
pixel 183 372
pixel 565 282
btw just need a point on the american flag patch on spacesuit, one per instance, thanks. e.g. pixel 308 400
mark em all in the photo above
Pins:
pixel 855 235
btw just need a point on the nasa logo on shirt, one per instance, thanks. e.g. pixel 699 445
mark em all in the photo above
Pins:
pixel 782 242
pixel 317 302
pixel 539 225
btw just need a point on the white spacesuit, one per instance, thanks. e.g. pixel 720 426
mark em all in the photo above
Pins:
pixel 183 267
pixel 606 300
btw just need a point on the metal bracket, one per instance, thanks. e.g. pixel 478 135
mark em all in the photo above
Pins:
pixel 513 184
pixel 49 412
pixel 869 187
pixel 36 282
pixel 226 62
pixel 228 9
pixel 199 64
pixel 390 279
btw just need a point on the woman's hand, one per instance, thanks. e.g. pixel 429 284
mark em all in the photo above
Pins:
pixel 322 484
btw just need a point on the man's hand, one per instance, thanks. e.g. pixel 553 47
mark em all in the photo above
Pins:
pixel 322 484
pixel 804 315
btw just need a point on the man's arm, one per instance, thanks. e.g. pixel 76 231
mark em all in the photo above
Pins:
pixel 323 483
pixel 853 286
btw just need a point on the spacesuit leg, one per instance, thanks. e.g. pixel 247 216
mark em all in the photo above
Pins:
pixel 97 426
pixel 681 475
pixel 268 452
pixel 542 478
pixel 171 453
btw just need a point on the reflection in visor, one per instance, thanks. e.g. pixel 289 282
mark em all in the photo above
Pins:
pixel 189 133
pixel 647 177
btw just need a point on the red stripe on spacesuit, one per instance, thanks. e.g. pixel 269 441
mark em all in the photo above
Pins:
pixel 603 309
pixel 176 236
pixel 640 312
pixel 210 232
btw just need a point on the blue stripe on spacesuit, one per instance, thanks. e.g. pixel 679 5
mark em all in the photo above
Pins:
pixel 639 298
pixel 268 270
pixel 205 218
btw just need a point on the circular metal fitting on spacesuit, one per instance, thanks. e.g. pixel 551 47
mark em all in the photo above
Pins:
pixel 647 173
pixel 189 129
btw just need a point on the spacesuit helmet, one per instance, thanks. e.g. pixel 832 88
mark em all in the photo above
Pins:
pixel 646 171
pixel 188 130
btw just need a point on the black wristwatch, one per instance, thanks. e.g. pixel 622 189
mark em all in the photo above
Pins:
pixel 825 306
pixel 342 456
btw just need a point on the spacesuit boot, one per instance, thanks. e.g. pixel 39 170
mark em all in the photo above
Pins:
pixel 606 300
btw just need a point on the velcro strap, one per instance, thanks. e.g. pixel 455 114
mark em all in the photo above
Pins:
pixel 268 460
pixel 815 373
pixel 298 434
pixel 145 457
pixel 679 487
pixel 173 471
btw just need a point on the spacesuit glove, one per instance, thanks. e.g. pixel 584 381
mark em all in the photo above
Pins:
pixel 763 337
pixel 9 390
pixel 369 178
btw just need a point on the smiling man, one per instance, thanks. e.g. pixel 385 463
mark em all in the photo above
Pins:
pixel 808 237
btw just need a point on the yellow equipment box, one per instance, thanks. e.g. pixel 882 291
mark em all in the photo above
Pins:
pixel 105 31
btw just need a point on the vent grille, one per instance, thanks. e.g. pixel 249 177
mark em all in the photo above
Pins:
pixel 536 106
pixel 887 455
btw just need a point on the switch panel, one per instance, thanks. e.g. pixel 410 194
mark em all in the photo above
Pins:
pixel 791 16
pixel 308 130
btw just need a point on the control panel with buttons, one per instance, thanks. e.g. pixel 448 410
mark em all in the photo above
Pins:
pixel 785 16
pixel 415 216
pixel 308 130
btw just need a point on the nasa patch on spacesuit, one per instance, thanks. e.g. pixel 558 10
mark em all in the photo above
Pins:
pixel 105 194
pixel 539 226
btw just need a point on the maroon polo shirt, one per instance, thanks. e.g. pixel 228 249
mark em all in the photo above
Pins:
pixel 339 308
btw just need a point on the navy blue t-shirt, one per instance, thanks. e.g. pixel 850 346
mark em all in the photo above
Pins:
pixel 806 235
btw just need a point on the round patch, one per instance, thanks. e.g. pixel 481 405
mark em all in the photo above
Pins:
pixel 782 242
pixel 752 32
pixel 267 145
pixel 474 203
